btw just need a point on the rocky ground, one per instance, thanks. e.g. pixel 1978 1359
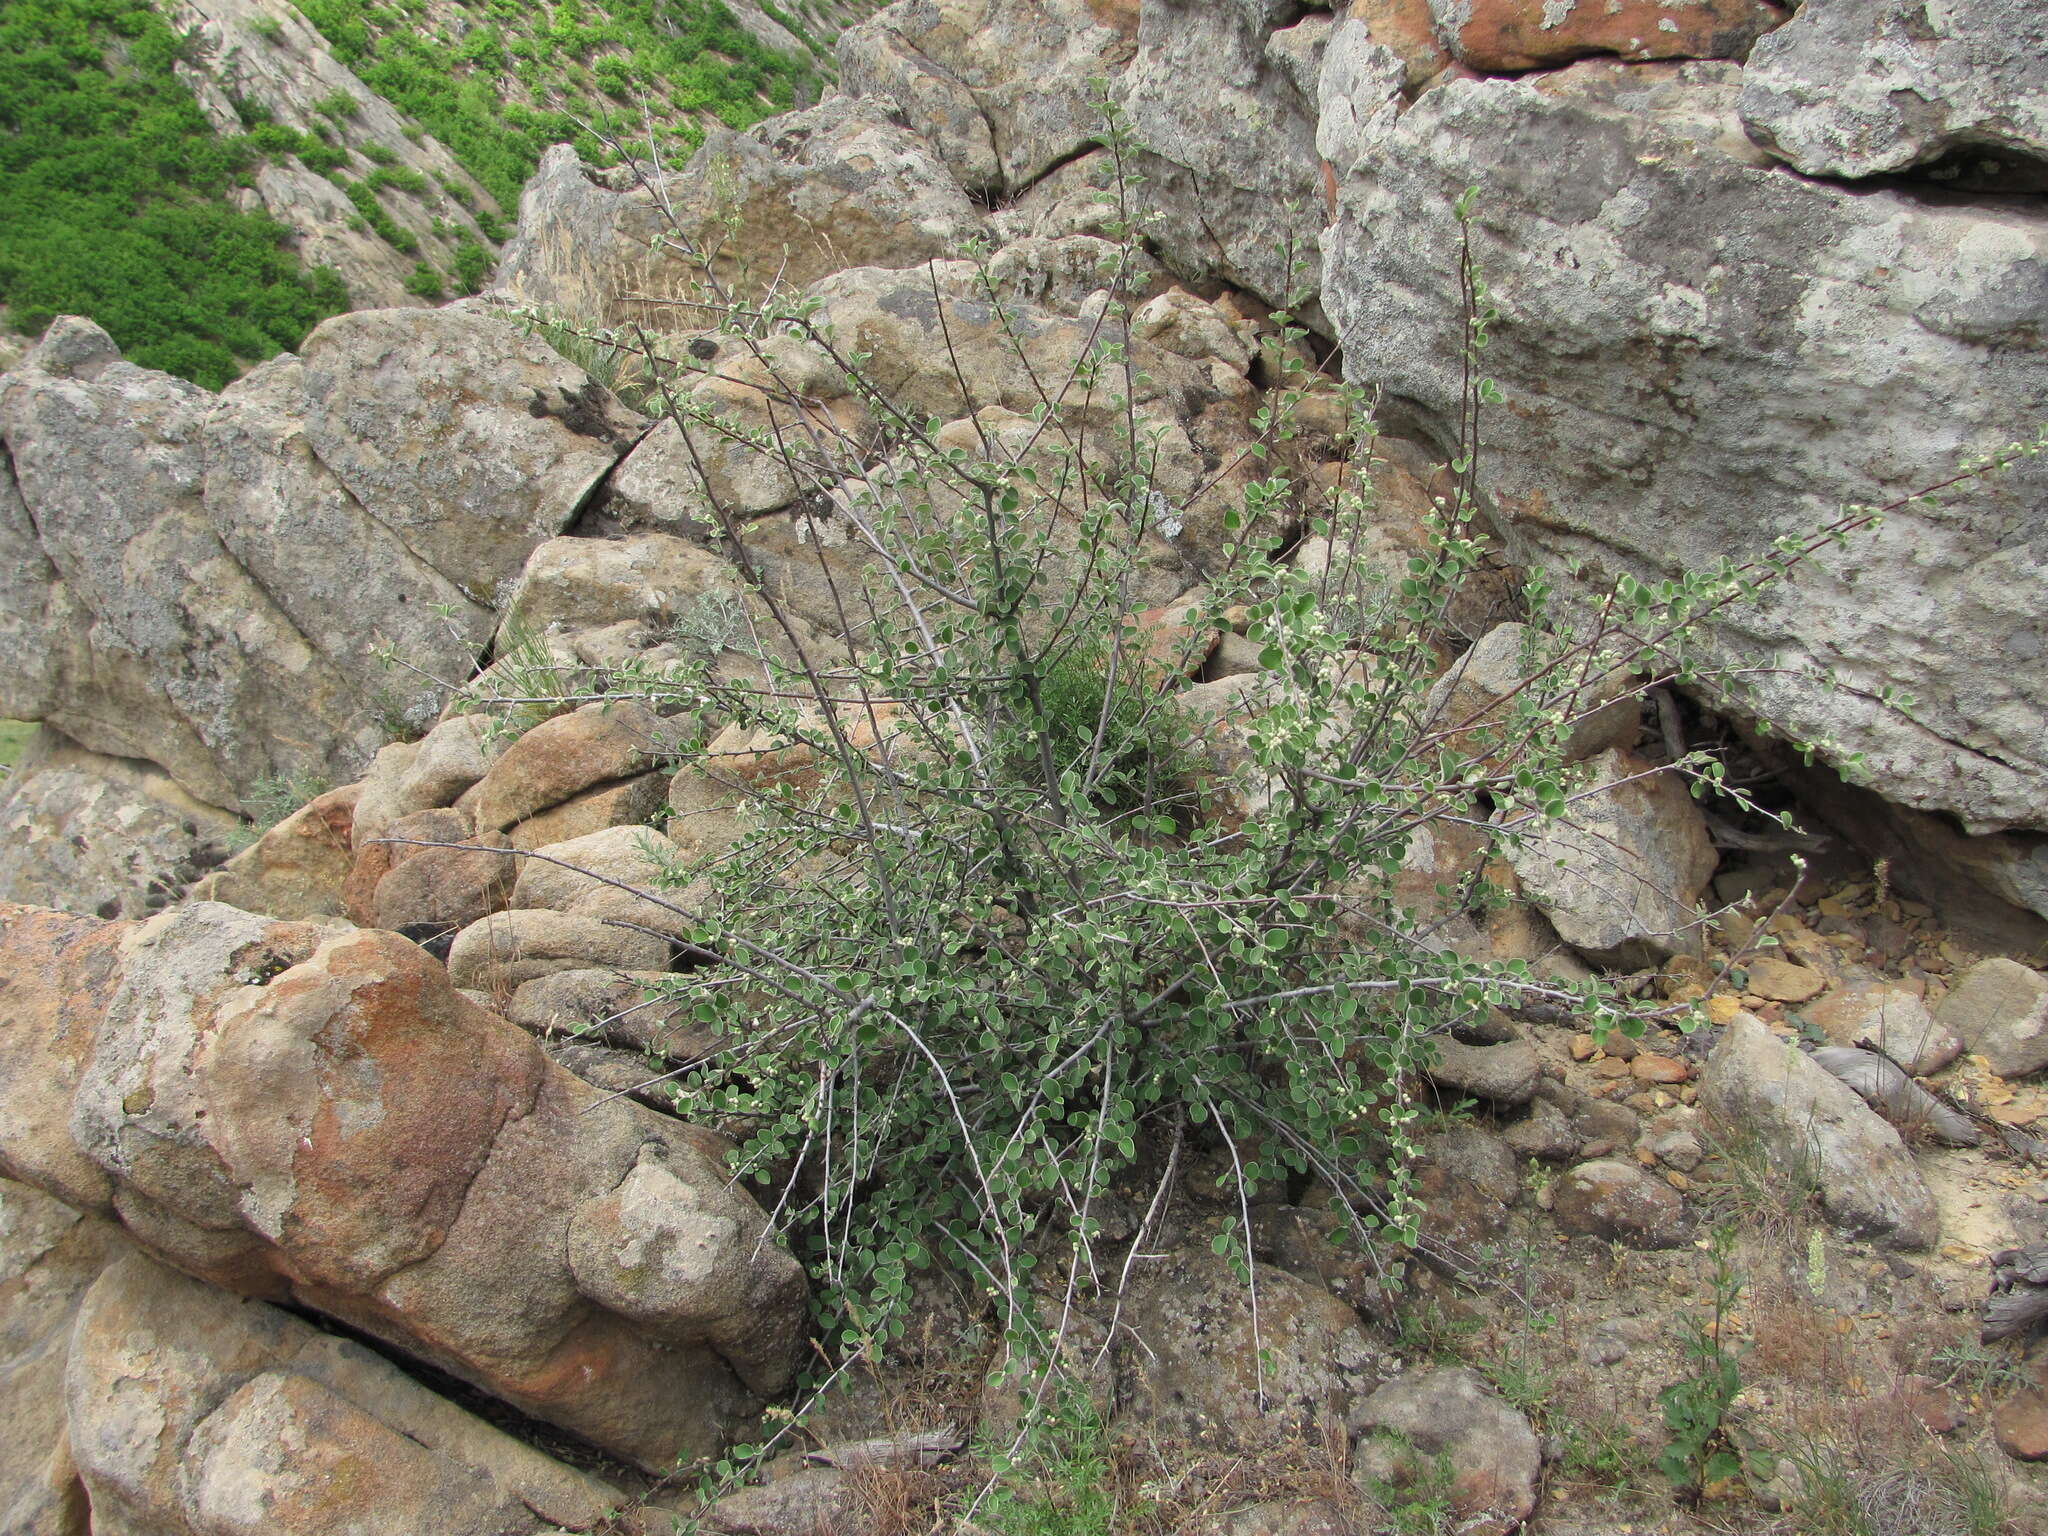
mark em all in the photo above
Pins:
pixel 380 1073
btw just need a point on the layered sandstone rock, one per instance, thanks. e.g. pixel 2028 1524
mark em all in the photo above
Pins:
pixel 318 1115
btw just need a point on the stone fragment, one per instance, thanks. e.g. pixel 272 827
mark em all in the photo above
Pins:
pixel 1865 87
pixel 2020 1424
pixel 1372 58
pixel 1894 1020
pixel 1065 273
pixel 1784 981
pixel 1648 1067
pixel 1543 1133
pixel 1673 1139
pixel 1467 1179
pixel 1292 1517
pixel 1195 1365
pixel 1999 1009
pixel 1815 1130
pixel 297 868
pixel 497 953
pixel 1618 1202
pixel 569 873
pixel 1933 1404
pixel 1494 1456
pixel 1503 1073
pixel 1620 873
pixel 560 758
pixel 720 454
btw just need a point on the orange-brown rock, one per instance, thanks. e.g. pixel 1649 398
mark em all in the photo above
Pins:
pixel 58 972
pixel 1407 27
pixel 316 1114
pixel 446 887
pixel 392 846
pixel 296 869
pixel 561 758
pixel 1502 35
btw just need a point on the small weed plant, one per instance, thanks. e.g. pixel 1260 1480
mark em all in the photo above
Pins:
pixel 1698 1453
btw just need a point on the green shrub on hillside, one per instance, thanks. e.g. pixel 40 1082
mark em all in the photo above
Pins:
pixel 675 58
pixel 114 185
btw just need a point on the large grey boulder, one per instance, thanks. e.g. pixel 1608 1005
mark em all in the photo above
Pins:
pixel 1701 352
pixel 790 199
pixel 1000 87
pixel 1222 101
pixel 1862 87
pixel 211 583
pixel 1818 1134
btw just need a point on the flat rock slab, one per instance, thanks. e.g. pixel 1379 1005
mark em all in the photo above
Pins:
pixel 1816 1130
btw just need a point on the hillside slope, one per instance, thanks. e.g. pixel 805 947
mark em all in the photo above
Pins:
pixel 209 178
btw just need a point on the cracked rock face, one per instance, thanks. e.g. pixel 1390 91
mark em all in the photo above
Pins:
pixel 1000 87
pixel 834 186
pixel 204 581
pixel 1223 104
pixel 317 1115
pixel 1701 351
pixel 197 1414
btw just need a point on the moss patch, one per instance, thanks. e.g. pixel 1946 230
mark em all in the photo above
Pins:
pixel 14 735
